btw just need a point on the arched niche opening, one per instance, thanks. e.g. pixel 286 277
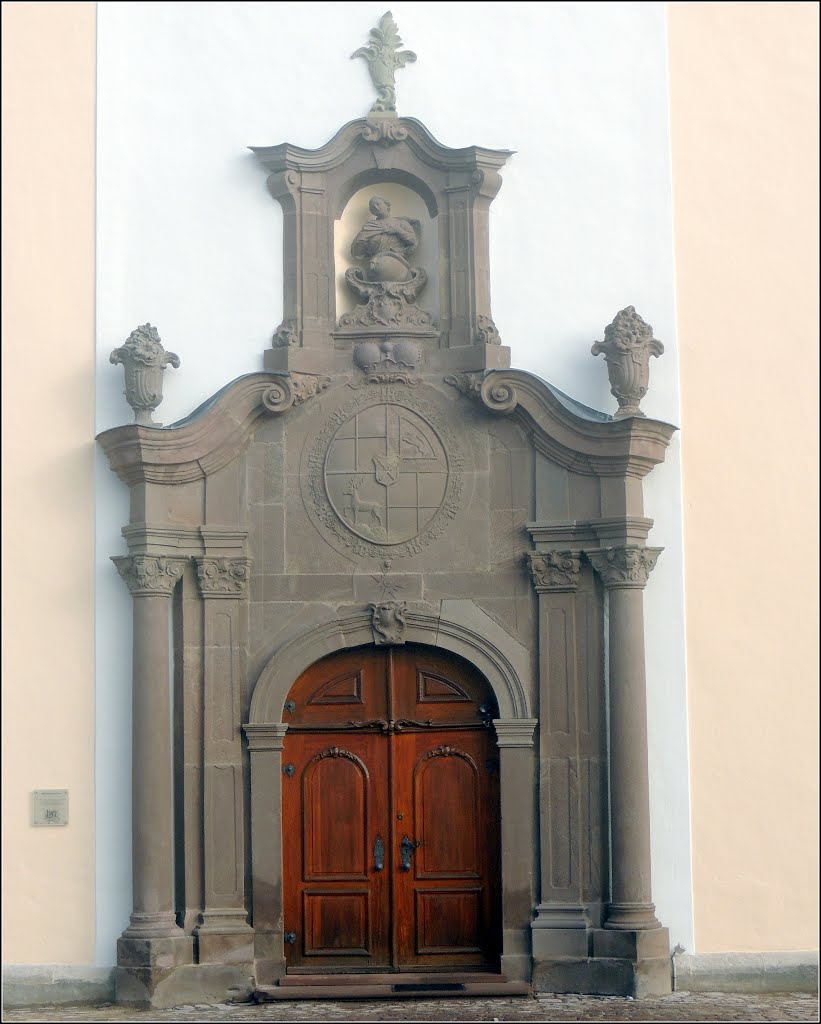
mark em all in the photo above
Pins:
pixel 405 203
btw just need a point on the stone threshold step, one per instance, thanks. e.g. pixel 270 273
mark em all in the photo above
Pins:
pixel 398 990
pixel 395 978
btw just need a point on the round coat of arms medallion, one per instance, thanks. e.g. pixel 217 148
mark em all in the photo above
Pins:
pixel 386 473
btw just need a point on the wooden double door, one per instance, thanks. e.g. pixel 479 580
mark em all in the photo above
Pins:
pixel 390 815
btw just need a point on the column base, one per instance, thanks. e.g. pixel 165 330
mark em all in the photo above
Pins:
pixel 224 937
pixel 631 916
pixel 560 929
pixel 623 963
pixel 150 926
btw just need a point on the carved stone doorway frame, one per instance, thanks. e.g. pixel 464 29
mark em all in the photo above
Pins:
pixel 514 730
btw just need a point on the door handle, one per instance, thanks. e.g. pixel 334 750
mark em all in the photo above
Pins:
pixel 378 854
pixel 406 848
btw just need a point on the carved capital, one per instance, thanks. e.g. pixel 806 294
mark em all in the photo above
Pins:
pixel 223 577
pixel 554 571
pixel 388 622
pixel 149 575
pixel 293 390
pixel 625 567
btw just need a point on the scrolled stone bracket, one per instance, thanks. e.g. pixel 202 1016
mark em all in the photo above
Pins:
pixel 149 575
pixel 293 390
pixel 554 572
pixel 497 395
pixel 223 577
pixel 624 567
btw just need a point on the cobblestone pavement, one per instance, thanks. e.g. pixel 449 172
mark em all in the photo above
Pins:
pixel 681 1006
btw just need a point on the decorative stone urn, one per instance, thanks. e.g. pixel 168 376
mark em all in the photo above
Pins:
pixel 145 360
pixel 627 347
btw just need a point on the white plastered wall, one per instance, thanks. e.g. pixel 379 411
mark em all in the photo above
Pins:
pixel 190 240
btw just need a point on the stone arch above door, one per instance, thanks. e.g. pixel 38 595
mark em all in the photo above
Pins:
pixel 460 627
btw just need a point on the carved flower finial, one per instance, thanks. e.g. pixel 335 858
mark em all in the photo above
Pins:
pixel 144 360
pixel 627 347
pixel 384 59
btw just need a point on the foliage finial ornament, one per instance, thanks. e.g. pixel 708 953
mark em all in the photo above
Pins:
pixel 384 58
pixel 144 360
pixel 627 347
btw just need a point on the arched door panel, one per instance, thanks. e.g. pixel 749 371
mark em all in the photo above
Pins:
pixel 390 815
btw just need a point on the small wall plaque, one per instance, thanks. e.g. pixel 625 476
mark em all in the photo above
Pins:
pixel 49 807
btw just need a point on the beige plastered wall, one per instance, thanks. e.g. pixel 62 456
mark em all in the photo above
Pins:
pixel 744 123
pixel 48 487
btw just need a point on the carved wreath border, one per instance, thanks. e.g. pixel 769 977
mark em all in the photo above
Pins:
pixel 448 510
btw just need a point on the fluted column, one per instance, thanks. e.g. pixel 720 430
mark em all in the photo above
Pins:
pixel 560 924
pixel 624 572
pixel 151 580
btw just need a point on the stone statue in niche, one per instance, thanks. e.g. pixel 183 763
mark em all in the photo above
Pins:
pixel 388 285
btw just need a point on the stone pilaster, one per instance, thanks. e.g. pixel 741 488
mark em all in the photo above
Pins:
pixel 153 943
pixel 632 935
pixel 516 775
pixel 560 926
pixel 265 744
pixel 223 935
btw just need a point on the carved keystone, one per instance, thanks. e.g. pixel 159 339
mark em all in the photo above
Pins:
pixel 388 622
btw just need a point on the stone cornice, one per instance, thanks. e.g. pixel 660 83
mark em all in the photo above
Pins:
pixel 554 571
pixel 211 437
pixel 580 439
pixel 184 541
pixel 222 577
pixel 149 575
pixel 590 534
pixel 405 130
pixel 624 567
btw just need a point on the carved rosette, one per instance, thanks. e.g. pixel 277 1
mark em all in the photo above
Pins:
pixel 223 577
pixel 144 360
pixel 293 390
pixel 554 571
pixel 388 622
pixel 624 567
pixel 627 347
pixel 149 575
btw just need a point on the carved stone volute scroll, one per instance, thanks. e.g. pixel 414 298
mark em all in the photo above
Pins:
pixel 624 567
pixel 293 390
pixel 149 575
pixel 554 571
pixel 497 395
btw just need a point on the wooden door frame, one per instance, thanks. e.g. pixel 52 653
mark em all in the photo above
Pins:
pixel 508 668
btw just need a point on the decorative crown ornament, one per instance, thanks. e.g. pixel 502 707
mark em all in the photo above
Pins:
pixel 627 347
pixel 144 360
pixel 384 59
